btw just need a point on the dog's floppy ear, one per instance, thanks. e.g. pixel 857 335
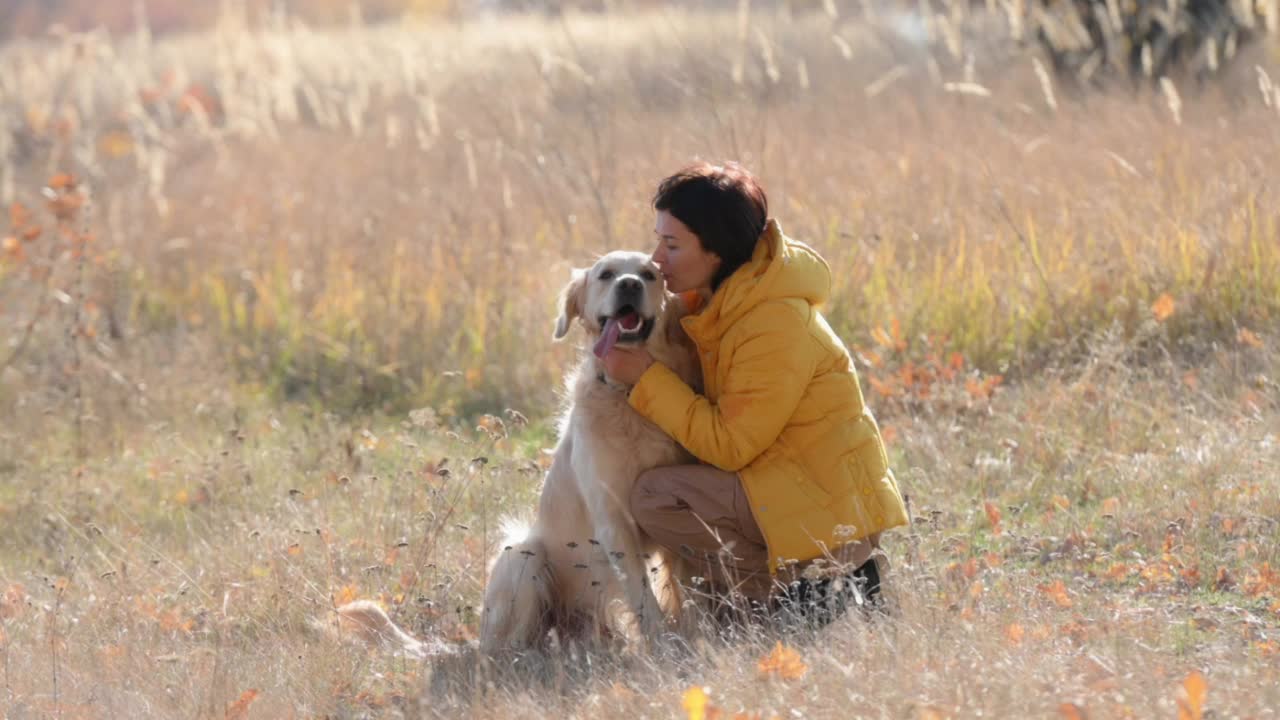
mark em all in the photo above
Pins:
pixel 572 299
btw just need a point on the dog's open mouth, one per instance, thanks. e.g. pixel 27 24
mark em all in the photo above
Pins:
pixel 626 326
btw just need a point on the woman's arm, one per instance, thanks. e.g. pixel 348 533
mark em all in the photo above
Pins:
pixel 768 373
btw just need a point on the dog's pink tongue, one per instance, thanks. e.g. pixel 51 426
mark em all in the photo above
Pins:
pixel 608 338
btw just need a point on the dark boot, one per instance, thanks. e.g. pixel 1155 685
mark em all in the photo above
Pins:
pixel 816 603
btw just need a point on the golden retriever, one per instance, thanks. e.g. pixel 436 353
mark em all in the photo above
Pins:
pixel 582 567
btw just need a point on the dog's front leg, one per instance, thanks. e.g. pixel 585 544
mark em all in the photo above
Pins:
pixel 619 537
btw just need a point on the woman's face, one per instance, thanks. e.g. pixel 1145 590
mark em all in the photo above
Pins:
pixel 684 264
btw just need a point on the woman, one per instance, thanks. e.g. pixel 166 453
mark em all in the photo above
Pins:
pixel 795 468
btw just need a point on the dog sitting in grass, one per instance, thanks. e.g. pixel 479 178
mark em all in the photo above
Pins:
pixel 582 568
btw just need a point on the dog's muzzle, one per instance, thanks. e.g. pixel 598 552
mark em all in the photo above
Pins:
pixel 625 325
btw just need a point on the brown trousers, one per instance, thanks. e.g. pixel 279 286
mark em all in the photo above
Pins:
pixel 702 513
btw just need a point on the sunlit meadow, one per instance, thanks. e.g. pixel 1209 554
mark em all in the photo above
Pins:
pixel 275 317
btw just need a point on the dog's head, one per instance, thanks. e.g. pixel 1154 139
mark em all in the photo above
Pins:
pixel 620 299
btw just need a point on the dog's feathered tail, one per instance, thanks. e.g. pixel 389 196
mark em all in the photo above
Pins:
pixel 366 622
pixel 517 598
pixel 514 530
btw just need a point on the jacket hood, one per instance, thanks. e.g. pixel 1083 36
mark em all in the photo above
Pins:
pixel 779 269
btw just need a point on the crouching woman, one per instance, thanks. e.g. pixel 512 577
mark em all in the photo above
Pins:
pixel 793 466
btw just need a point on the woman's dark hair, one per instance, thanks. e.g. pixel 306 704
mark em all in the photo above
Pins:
pixel 724 205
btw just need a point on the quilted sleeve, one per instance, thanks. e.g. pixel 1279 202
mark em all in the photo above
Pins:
pixel 768 372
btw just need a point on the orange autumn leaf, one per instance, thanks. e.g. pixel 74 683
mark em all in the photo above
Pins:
pixel 993 516
pixel 1074 630
pixel 1191 696
pixel 976 590
pixel 1041 632
pixel 294 550
pixel 784 662
pixel 695 703
pixel 1163 307
pixel 1245 336
pixel 239 710
pixel 888 434
pixel 1117 571
pixel 116 144
pixel 61 181
pixel 346 594
pixel 907 375
pixel 1057 591
pixel 1111 505
pixel 870 357
pixel 1156 574
pixel 883 388
pixel 881 337
pixel 1191 574
pixel 981 390
pixel 1015 633
pixel 1223 580
pixel 392 554
pixel 895 329
pixel 1061 502
pixel 12 601
pixel 18 215
pixel 171 621
pixel 1071 711
pixel 1262 580
pixel 65 205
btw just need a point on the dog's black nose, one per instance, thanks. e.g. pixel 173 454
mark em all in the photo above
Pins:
pixel 630 285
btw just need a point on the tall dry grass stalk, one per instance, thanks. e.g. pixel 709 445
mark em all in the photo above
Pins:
pixel 336 218
pixel 1090 538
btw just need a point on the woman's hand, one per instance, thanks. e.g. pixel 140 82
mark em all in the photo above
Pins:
pixel 626 365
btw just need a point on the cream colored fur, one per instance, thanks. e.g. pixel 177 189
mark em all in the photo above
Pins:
pixel 366 622
pixel 582 567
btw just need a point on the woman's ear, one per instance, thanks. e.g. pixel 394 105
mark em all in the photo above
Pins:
pixel 572 299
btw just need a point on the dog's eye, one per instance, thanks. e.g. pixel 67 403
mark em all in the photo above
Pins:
pixel 605 275
pixel 648 276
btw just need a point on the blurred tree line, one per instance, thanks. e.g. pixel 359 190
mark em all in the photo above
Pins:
pixel 1091 40
pixel 1084 40
pixel 35 17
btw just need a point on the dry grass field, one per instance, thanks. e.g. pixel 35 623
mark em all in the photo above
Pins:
pixel 275 317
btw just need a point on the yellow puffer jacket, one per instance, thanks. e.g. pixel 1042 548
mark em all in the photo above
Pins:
pixel 782 407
